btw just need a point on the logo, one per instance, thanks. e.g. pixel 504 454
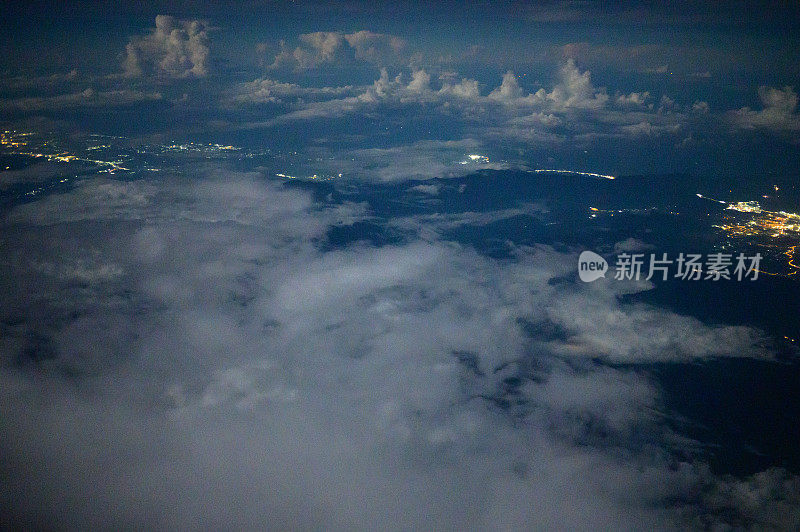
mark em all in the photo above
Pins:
pixel 687 267
pixel 591 266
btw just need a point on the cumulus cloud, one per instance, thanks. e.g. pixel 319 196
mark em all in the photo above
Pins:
pixel 466 88
pixel 319 48
pixel 509 89
pixel 375 47
pixel 573 109
pixel 576 90
pixel 173 49
pixel 633 99
pixel 327 47
pixel 778 113
pixel 420 81
pixel 325 43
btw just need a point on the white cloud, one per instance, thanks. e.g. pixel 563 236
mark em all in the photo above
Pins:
pixel 630 245
pixel 321 47
pixel 325 43
pixel 466 88
pixel 635 99
pixel 327 47
pixel 266 90
pixel 641 128
pixel 427 189
pixel 374 47
pixel 538 119
pixel 575 90
pixel 419 160
pixel 779 111
pixel 509 90
pixel 174 49
pixel 572 110
pixel 207 349
pixel 420 81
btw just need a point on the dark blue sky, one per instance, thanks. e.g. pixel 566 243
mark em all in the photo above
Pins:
pixel 692 87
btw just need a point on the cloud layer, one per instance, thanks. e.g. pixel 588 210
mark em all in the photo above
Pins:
pixel 209 363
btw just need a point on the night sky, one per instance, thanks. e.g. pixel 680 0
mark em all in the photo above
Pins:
pixel 626 88
pixel 312 265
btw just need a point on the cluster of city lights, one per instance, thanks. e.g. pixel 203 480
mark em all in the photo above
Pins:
pixel 776 230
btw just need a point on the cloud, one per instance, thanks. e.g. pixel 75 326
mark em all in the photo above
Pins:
pixel 642 128
pixel 573 91
pixel 376 48
pixel 576 90
pixel 85 98
pixel 509 90
pixel 214 360
pixel 634 99
pixel 173 49
pixel 778 113
pixel 266 90
pixel 425 159
pixel 325 43
pixel 420 81
pixel 328 47
pixel 700 107
pixel 466 88
pixel 508 116
pixel 325 104
pixel 630 245
pixel 548 120
pixel 38 82
pixel 426 189
pixel 320 47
